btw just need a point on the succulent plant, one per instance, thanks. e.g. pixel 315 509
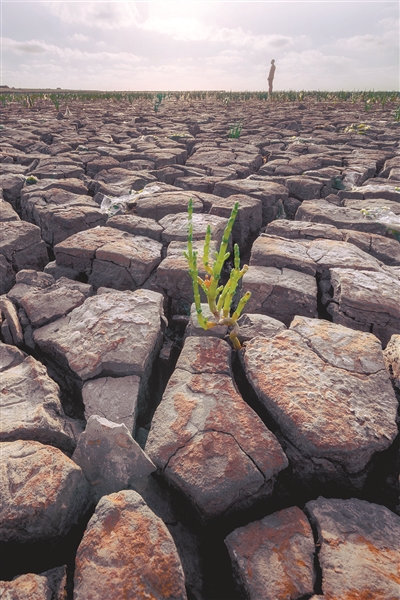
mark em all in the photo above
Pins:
pixel 219 297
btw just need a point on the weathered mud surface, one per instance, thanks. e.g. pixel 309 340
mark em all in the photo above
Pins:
pixel 143 456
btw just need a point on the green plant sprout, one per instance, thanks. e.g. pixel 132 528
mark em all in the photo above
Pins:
pixel 31 180
pixel 55 100
pixel 235 130
pixel 337 183
pixel 383 214
pixel 370 99
pixel 360 128
pixel 219 297
pixel 157 100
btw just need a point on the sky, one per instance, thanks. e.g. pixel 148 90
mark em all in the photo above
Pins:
pixel 201 45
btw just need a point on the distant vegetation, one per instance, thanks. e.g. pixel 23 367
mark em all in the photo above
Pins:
pixel 368 99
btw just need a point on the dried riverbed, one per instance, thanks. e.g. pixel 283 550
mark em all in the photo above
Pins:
pixel 143 457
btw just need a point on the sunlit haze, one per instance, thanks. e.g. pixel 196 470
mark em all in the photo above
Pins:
pixel 200 45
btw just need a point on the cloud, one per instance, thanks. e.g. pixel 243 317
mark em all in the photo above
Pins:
pixel 384 38
pixel 185 29
pixel 390 23
pixel 227 57
pixel 314 70
pixel 70 54
pixel 190 29
pixel 240 38
pixel 24 47
pixel 104 15
pixel 78 37
pixel 369 42
pixel 194 45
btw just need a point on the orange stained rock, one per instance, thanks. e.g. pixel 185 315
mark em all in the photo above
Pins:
pixel 289 522
pixel 126 554
pixel 276 540
pixel 89 359
pixel 29 586
pixel 355 347
pixel 376 594
pixel 34 483
pixel 184 406
pixel 308 395
pixel 85 243
pixel 217 361
pixel 218 406
pixel 211 355
pixel 214 445
pixel 376 560
pixel 86 359
pixel 216 472
pixel 41 481
pixel 94 442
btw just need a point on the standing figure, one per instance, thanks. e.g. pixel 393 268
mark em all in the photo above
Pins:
pixel 271 76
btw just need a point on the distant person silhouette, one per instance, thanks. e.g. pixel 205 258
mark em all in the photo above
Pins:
pixel 271 76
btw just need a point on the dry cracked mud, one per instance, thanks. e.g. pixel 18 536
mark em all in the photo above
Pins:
pixel 143 457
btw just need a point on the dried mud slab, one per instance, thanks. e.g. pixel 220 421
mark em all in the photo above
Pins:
pixel 274 558
pixel 367 301
pixel 127 551
pixel 30 403
pixel 115 333
pixel 43 493
pixel 301 178
pixel 21 247
pixel 110 458
pixel 109 257
pixel 51 584
pixel 280 293
pixel 325 403
pixel 206 440
pixel 359 548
